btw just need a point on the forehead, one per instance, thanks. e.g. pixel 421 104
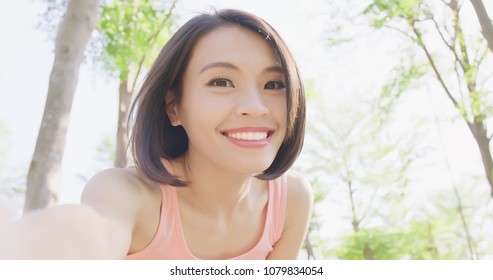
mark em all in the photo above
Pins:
pixel 235 45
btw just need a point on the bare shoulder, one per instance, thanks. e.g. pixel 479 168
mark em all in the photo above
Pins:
pixel 300 192
pixel 298 213
pixel 115 182
pixel 118 194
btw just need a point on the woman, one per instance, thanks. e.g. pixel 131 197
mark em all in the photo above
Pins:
pixel 217 124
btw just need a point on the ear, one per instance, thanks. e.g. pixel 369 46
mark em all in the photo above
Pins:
pixel 172 108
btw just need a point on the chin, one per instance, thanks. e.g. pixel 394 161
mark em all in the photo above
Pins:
pixel 256 168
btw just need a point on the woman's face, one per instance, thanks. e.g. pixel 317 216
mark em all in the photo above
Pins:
pixel 234 106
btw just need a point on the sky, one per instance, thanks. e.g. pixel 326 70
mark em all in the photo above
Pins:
pixel 26 58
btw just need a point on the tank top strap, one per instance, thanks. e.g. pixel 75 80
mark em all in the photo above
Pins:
pixel 277 207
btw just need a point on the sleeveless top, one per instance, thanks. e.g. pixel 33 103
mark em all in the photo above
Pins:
pixel 169 241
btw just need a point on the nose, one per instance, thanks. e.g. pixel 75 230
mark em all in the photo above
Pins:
pixel 251 104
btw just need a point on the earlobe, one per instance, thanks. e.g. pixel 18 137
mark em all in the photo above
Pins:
pixel 172 109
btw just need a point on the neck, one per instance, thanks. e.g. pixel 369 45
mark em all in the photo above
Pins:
pixel 212 188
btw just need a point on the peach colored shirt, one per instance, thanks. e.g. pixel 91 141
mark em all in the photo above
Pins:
pixel 169 242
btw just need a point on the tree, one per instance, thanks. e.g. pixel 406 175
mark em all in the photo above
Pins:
pixel 130 35
pixel 359 161
pixel 484 21
pixel 74 32
pixel 459 63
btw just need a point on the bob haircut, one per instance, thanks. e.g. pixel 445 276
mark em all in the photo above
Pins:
pixel 153 136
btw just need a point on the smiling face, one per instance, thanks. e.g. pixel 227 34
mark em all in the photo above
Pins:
pixel 233 105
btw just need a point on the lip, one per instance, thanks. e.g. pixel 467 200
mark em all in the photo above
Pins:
pixel 249 143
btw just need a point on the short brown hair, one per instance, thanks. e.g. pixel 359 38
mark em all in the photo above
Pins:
pixel 153 136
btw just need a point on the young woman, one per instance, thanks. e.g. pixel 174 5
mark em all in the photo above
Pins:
pixel 217 124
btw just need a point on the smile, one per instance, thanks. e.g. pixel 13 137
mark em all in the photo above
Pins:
pixel 249 137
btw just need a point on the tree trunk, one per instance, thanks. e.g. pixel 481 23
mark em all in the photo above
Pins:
pixel 368 252
pixel 479 132
pixel 484 21
pixel 125 98
pixel 309 249
pixel 44 176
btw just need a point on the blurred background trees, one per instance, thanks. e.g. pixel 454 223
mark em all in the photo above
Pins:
pixel 130 35
pixel 454 53
pixel 44 176
pixel 365 152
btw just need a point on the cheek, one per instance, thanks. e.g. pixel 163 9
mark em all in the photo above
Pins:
pixel 283 118
pixel 198 115
pixel 279 109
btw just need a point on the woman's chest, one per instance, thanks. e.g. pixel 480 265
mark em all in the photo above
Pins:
pixel 213 238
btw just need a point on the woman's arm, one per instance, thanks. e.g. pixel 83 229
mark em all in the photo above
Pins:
pixel 298 213
pixel 99 228
pixel 60 232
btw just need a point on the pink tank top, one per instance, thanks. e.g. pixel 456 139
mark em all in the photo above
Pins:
pixel 169 241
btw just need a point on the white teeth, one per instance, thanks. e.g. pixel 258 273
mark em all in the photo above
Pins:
pixel 247 136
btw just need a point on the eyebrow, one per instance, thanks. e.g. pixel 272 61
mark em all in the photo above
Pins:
pixel 275 68
pixel 219 64
pixel 234 67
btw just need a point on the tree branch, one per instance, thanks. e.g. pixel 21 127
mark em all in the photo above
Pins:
pixel 355 221
pixel 450 46
pixel 151 40
pixel 433 65
pixel 479 61
pixel 309 249
pixel 400 31
pixel 458 32
pixel 367 210
pixel 484 21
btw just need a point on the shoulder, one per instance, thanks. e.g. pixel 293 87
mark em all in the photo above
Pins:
pixel 115 182
pixel 299 204
pixel 118 193
pixel 299 191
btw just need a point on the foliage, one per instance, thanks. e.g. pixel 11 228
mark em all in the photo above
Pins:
pixel 50 19
pixel 388 244
pixel 131 33
pixel 392 227
pixel 404 78
pixel 356 158
pixel 459 59
pixel 387 10
pixel 431 229
pixel 455 53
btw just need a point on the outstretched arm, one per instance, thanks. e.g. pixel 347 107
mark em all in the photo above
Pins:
pixel 298 213
pixel 60 232
pixel 96 229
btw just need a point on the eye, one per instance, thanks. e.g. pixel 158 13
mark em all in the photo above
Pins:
pixel 220 82
pixel 275 85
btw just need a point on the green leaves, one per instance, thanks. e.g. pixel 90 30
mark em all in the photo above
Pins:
pixel 417 242
pixel 459 76
pixel 131 32
pixel 403 78
pixel 383 11
pixel 481 108
pixel 429 232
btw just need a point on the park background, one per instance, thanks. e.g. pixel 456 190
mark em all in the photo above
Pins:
pixel 396 170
